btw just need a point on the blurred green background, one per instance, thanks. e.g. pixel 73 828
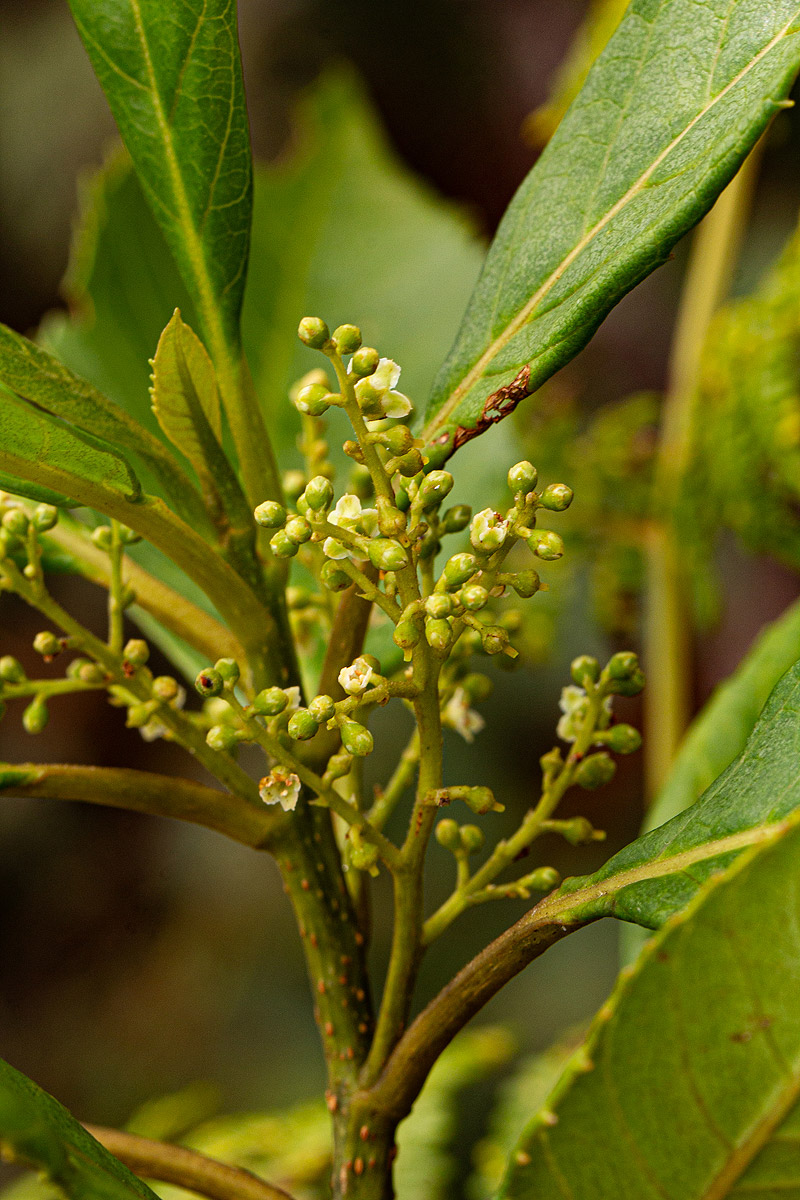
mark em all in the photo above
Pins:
pixel 135 956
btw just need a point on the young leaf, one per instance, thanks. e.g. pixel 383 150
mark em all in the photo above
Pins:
pixel 35 1129
pixel 667 114
pixel 688 1084
pixel 158 63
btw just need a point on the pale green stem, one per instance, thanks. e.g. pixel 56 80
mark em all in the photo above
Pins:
pixel 116 610
pixel 401 779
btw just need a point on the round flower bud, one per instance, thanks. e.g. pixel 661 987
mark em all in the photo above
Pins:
pixel 74 670
pixel 584 669
pixel 322 708
pixel 557 497
pixel 397 440
pixel 456 518
pixel 577 831
pixel 165 688
pixel 45 517
pixel 319 493
pixel 409 464
pixel 297 530
pixel 628 687
pixel 391 521
pixel 46 644
pixel 459 569
pixel 313 332
pixel 407 633
pixel 312 400
pixel 362 856
pixel 488 531
pixel 448 834
pixel 522 477
pixel 364 361
pixel 479 799
pixel 623 665
pixel 369 397
pixel 270 515
pixel 434 488
pixel 270 702
pixel 543 879
pixel 356 739
pixel 89 672
pixel 472 838
pixel 338 766
pixel 209 682
pixel 546 545
pixel 35 716
pixel 282 545
pixel 595 771
pixel 474 597
pixel 294 483
pixel 526 583
pixel 101 536
pixel 429 545
pixel 477 687
pixel 136 652
pixel 494 639
pixel 623 739
pixel 346 338
pixel 333 578
pixel 222 737
pixel 439 635
pixel 139 715
pixel 228 668
pixel 439 604
pixel 302 725
pixel 387 554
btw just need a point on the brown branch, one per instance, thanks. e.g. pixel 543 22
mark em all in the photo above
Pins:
pixel 175 1164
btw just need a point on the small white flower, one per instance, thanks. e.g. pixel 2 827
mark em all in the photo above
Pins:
pixel 395 404
pixel 385 376
pixel 459 716
pixel 347 511
pixel 280 787
pixel 573 704
pixel 153 730
pixel 333 549
pixel 488 530
pixel 356 678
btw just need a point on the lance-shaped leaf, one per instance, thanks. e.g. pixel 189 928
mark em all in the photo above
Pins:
pixel 172 76
pixel 35 375
pixel 688 1084
pixel 658 874
pixel 667 114
pixel 38 1131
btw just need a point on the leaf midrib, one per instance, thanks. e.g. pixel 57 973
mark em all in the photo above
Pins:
pixel 513 327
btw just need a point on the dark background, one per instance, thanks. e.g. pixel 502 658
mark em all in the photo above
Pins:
pixel 138 956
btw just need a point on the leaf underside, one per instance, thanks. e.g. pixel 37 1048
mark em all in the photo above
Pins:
pixel 666 116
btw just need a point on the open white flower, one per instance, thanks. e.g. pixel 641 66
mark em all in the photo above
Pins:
pixel 356 678
pixel 347 512
pixel 280 787
pixel 459 716
pixel 385 379
pixel 573 704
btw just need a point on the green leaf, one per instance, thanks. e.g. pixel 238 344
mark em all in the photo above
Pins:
pixel 688 1084
pixel 60 458
pixel 659 873
pixel 35 1129
pixel 161 66
pixel 666 116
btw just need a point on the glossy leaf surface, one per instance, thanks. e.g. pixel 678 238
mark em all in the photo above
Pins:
pixel 667 114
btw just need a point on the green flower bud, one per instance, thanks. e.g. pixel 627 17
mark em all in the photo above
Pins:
pixel 477 687
pixel 623 665
pixel 75 668
pixel 479 799
pixel 209 682
pixel 434 487
pixel 89 672
pixel 628 687
pixel 339 765
pixel 387 554
pixel 584 669
pixel 429 545
pixel 313 332
pixel 595 770
pixel 282 545
pixel 439 604
pixel 294 483
pixel 15 521
pixel 407 633
pixel 397 440
pixel 45 516
pixel 319 493
pixel 35 716
pixel 347 339
pixel 546 545
pixel 46 644
pixel 222 738
pixel 474 597
pixel 128 537
pixel 270 702
pixel 526 583
pixel 139 715
pixel 439 635
pixel 102 537
pixel 543 879
pixel 356 739
pixel 459 569
pixel 494 639
pixel 522 477
pixel 408 465
pixel 297 530
pixel 369 397
pixel 136 652
pixel 270 515
pixel 456 518
pixel 557 497
pixel 448 834
pixel 364 361
pixel 472 838
pixel 228 668
pixel 391 521
pixel 361 855
pixel 165 688
pixel 623 739
pixel 302 725
pixel 577 831
pixel 402 498
pixel 312 400
pixel 333 578
pixel 322 709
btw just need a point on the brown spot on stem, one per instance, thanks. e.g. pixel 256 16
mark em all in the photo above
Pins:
pixel 358 1166
pixel 321 987
pixel 332 1101
pixel 363 1133
pixel 314 940
pixel 329 1028
pixel 305 885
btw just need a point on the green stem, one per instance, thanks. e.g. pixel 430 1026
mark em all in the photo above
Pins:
pixel 116 610
pixel 392 794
